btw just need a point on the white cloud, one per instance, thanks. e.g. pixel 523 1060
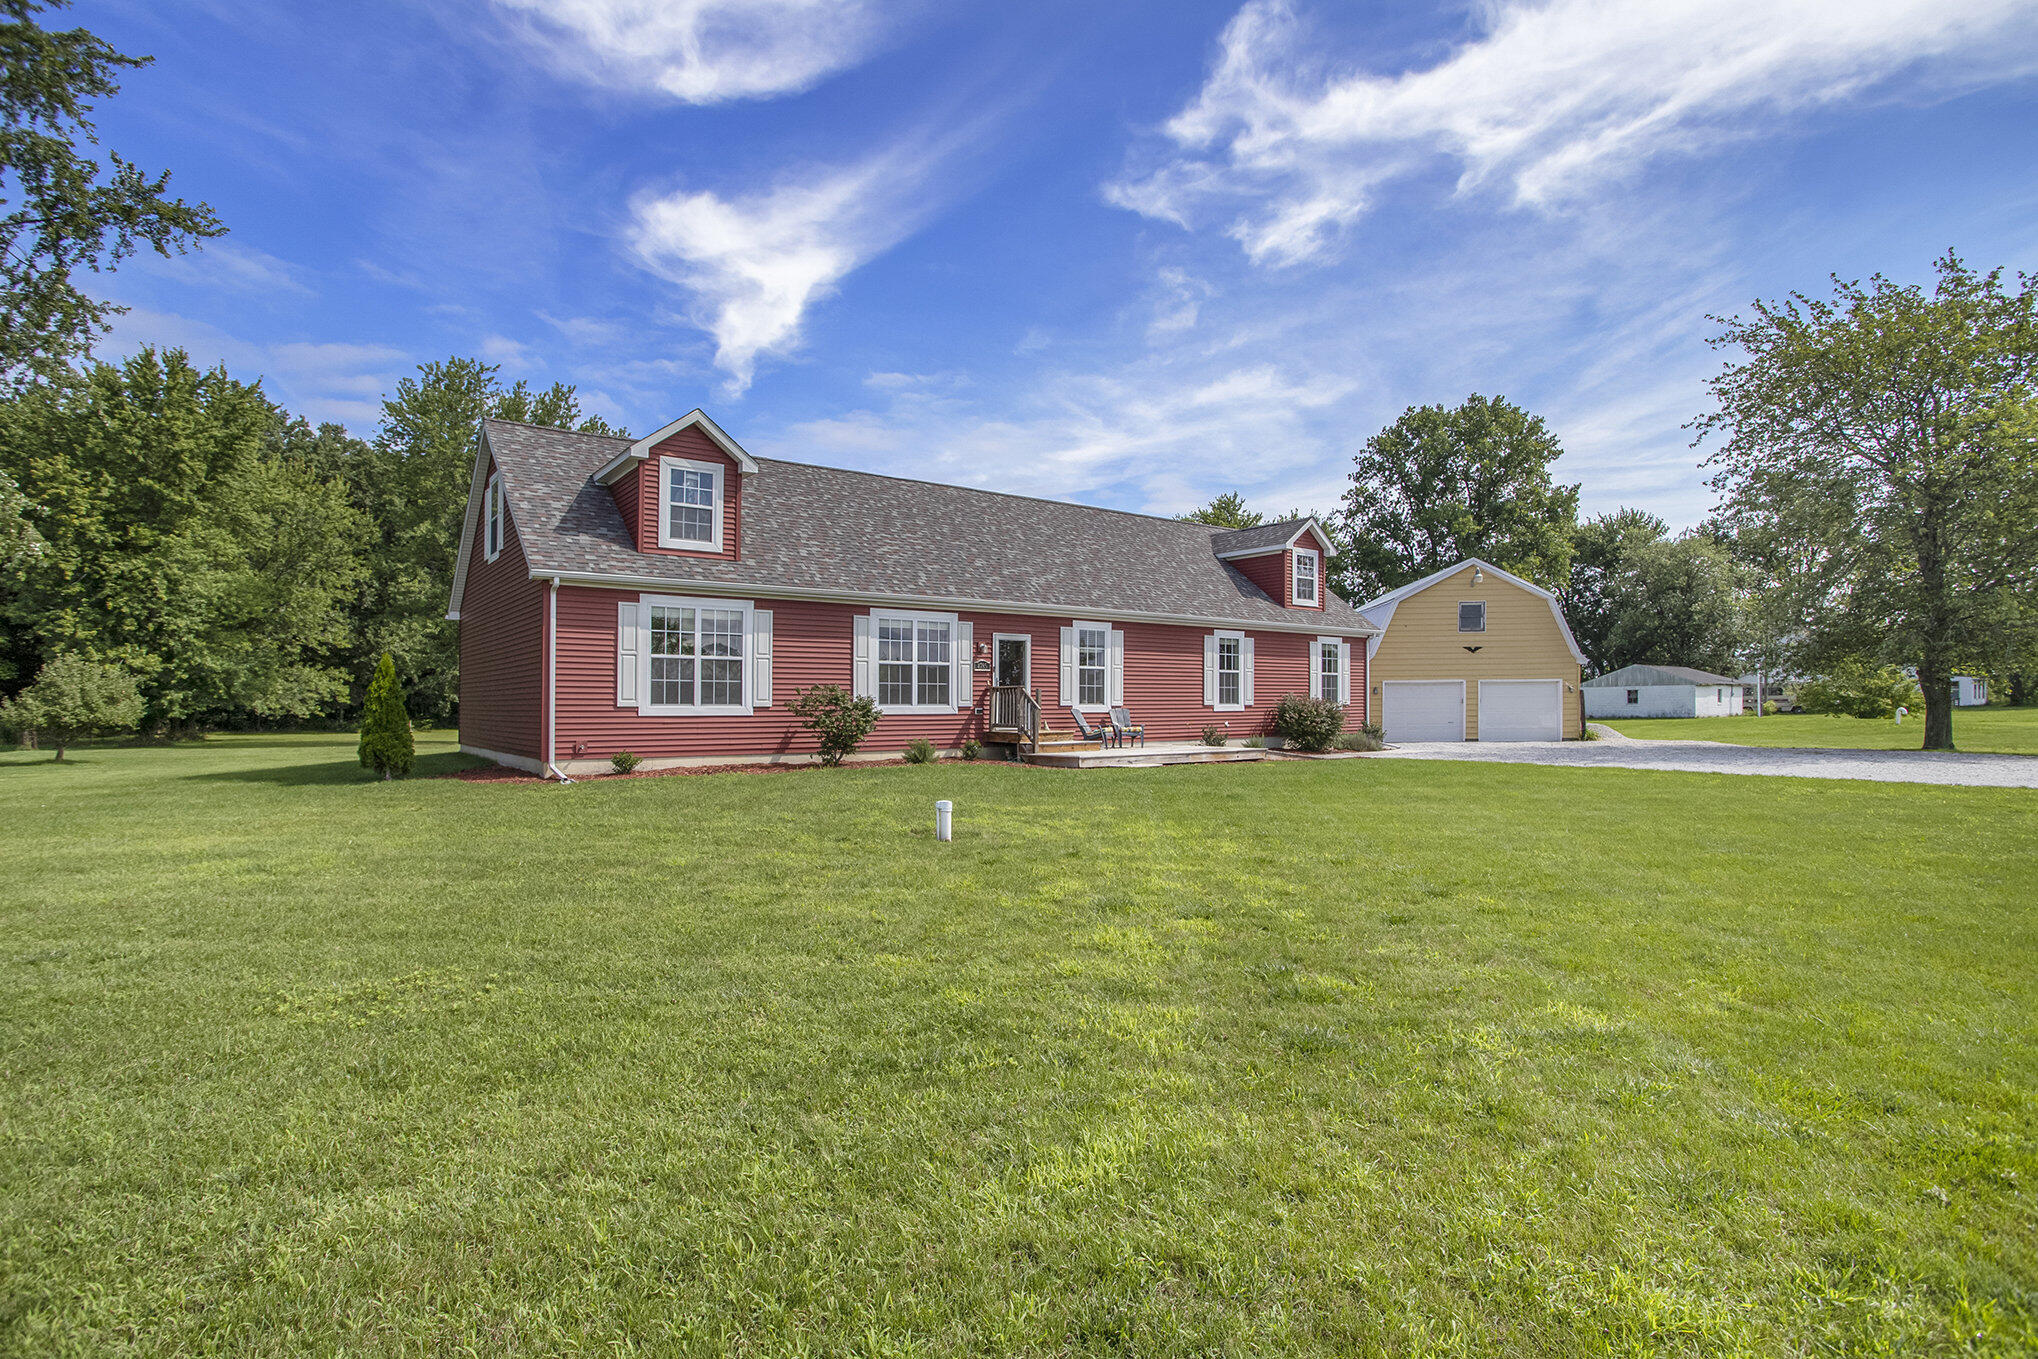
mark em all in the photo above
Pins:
pixel 705 51
pixel 505 352
pixel 332 381
pixel 238 268
pixel 755 264
pixel 1548 102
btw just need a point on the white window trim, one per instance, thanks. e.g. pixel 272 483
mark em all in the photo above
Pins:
pixel 645 707
pixel 1026 637
pixel 1079 625
pixel 666 467
pixel 493 520
pixel 1336 646
pixel 1315 599
pixel 915 616
pixel 1461 615
pixel 1220 705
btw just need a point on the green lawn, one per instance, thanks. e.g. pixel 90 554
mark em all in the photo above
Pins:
pixel 1301 1057
pixel 2000 731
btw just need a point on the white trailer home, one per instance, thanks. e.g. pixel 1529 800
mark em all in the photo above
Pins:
pixel 1662 691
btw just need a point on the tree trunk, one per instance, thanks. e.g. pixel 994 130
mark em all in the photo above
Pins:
pixel 60 756
pixel 2020 689
pixel 1935 677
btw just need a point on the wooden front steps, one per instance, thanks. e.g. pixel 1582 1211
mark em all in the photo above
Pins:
pixel 1080 754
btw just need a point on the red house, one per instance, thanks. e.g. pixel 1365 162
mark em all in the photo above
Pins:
pixel 668 595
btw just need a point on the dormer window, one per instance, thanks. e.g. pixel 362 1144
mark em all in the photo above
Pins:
pixel 691 516
pixel 1307 565
pixel 492 540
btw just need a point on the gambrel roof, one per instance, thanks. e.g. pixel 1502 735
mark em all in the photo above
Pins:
pixel 825 532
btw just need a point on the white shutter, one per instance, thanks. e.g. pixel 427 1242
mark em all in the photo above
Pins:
pixel 861 684
pixel 1344 673
pixel 1246 680
pixel 760 658
pixel 1210 670
pixel 626 654
pixel 1068 667
pixel 1316 669
pixel 1114 675
pixel 961 660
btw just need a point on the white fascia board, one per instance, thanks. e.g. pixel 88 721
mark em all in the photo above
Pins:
pixel 609 471
pixel 1380 611
pixel 477 487
pixel 755 590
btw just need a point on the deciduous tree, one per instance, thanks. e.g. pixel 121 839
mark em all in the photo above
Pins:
pixel 1442 484
pixel 1881 446
pixel 65 212
pixel 1226 511
pixel 71 699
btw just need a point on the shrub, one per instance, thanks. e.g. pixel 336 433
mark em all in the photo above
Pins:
pixel 1853 689
pixel 1215 736
pixel 842 721
pixel 385 725
pixel 71 699
pixel 971 749
pixel 1311 723
pixel 921 751
pixel 624 761
pixel 1361 739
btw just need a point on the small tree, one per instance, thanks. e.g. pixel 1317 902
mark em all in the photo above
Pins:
pixel 74 698
pixel 1858 690
pixel 842 721
pixel 385 725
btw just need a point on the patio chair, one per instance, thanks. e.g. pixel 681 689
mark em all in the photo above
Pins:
pixel 1128 731
pixel 1101 735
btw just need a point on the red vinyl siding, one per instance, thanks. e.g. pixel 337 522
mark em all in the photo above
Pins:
pixel 638 496
pixel 1274 572
pixel 502 648
pixel 1268 571
pixel 813 643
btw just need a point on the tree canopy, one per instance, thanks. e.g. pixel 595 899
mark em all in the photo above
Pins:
pixel 65 211
pixel 1226 511
pixel 1878 456
pixel 1442 484
pixel 1637 595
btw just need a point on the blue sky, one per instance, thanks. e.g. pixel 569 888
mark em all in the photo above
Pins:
pixel 1128 253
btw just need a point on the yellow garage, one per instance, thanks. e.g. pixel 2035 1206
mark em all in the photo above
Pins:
pixel 1473 653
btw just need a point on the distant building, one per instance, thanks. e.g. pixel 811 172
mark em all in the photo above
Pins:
pixel 1662 691
pixel 1969 691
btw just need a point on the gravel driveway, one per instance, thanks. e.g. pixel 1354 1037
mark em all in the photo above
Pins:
pixel 1713 757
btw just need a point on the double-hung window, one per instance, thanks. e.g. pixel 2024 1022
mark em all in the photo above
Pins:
pixel 1471 616
pixel 1327 670
pixel 695 655
pixel 492 542
pixel 1093 667
pixel 1307 566
pixel 690 515
pixel 915 656
pixel 1230 671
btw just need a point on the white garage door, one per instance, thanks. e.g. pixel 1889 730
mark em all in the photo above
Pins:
pixel 1521 710
pixel 1423 710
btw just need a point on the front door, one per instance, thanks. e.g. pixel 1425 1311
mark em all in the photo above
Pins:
pixel 1009 665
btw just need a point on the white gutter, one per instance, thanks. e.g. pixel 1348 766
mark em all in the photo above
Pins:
pixel 552 682
pixel 754 591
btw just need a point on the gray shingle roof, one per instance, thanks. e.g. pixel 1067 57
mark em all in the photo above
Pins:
pixel 826 529
pixel 1258 536
pixel 1639 676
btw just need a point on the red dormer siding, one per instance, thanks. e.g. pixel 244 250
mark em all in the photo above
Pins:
pixel 638 495
pixel 1274 572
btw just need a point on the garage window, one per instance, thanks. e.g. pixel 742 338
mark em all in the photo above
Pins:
pixel 1634 695
pixel 1471 616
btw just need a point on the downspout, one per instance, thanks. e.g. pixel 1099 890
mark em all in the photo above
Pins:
pixel 552 682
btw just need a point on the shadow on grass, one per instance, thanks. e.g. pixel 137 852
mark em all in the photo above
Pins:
pixel 338 771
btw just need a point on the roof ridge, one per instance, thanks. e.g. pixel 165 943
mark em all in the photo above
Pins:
pixel 1009 495
pixel 553 429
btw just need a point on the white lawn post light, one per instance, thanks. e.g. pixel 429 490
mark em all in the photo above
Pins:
pixel 1901 714
pixel 942 813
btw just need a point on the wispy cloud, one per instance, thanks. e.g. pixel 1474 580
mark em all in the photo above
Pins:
pixel 321 381
pixel 1548 101
pixel 705 51
pixel 235 268
pixel 754 264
